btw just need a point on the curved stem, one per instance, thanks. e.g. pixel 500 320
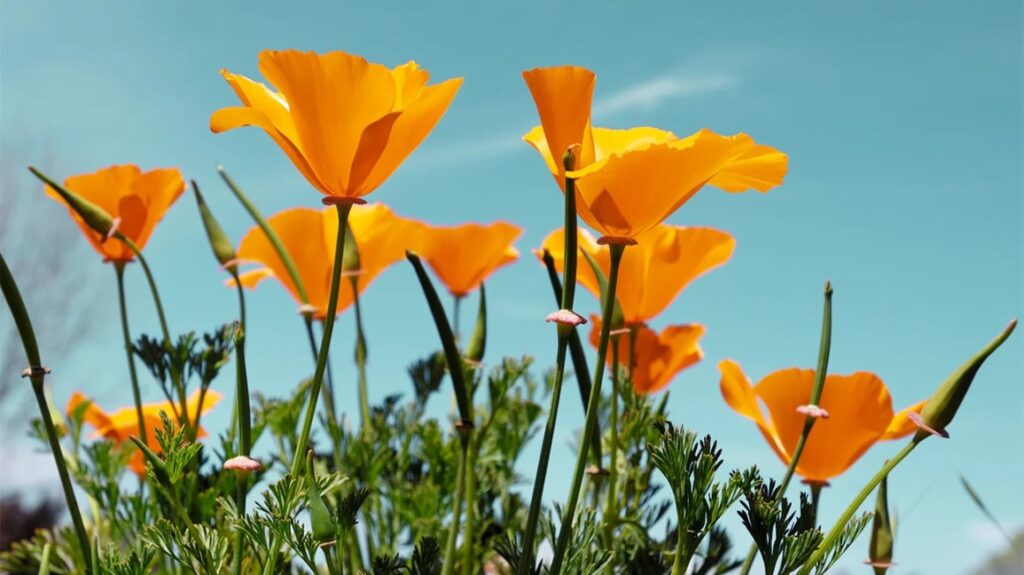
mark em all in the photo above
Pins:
pixel 136 393
pixel 361 355
pixel 824 348
pixel 37 373
pixel 453 532
pixel 837 529
pixel 593 406
pixel 469 535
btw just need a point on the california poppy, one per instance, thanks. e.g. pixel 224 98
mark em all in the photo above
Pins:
pixel 308 235
pixel 628 181
pixel 653 273
pixel 136 200
pixel 858 409
pixel 345 123
pixel 465 255
pixel 123 423
pixel 657 357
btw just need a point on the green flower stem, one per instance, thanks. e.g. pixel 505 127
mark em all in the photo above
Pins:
pixel 136 394
pixel 328 392
pixel 325 342
pixel 460 482
pixel 469 533
pixel 851 509
pixel 824 348
pixel 579 358
pixel 593 406
pixel 37 375
pixel 360 356
pixel 611 507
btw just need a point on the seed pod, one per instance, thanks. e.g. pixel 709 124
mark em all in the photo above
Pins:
pixel 222 248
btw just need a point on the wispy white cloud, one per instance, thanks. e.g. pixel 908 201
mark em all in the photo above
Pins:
pixel 653 93
pixel 646 95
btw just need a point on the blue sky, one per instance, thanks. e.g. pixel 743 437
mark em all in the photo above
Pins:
pixel 903 122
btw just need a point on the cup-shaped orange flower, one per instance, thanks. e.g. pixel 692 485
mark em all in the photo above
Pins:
pixel 654 272
pixel 345 123
pixel 381 238
pixel 136 200
pixel 657 357
pixel 463 256
pixel 118 426
pixel 857 413
pixel 628 181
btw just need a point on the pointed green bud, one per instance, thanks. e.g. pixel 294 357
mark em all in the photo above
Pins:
pixel 478 343
pixel 94 216
pixel 222 248
pixel 319 516
pixel 350 259
pixel 938 413
pixel 880 549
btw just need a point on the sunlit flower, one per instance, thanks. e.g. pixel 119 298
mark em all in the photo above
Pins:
pixel 463 256
pixel 135 200
pixel 124 423
pixel 859 415
pixel 628 181
pixel 308 235
pixel 345 123
pixel 654 272
pixel 657 357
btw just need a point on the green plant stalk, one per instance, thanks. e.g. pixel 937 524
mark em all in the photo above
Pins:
pixel 611 506
pixel 361 356
pixel 243 419
pixel 44 562
pixel 579 358
pixel 684 553
pixel 590 424
pixel 824 348
pixel 565 334
pixel 460 482
pixel 136 393
pixel 37 374
pixel 328 391
pixel 469 534
pixel 298 457
pixel 851 509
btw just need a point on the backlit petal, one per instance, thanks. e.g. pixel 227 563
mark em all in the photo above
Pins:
pixel 761 168
pixel 465 255
pixel 563 96
pixel 739 394
pixel 901 425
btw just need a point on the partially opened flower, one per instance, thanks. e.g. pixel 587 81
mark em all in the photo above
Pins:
pixel 628 181
pixel 118 426
pixel 463 256
pixel 308 235
pixel 136 200
pixel 859 411
pixel 345 123
pixel 654 272
pixel 657 357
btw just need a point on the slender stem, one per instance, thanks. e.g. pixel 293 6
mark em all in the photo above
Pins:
pixel 611 507
pixel 469 533
pixel 37 373
pixel 837 529
pixel 590 424
pixel 298 456
pixel 824 348
pixel 325 342
pixel 361 356
pixel 682 559
pixel 815 498
pixel 136 394
pixel 456 307
pixel 453 532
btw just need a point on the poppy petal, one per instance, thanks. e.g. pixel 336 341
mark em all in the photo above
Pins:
pixel 901 424
pixel 563 96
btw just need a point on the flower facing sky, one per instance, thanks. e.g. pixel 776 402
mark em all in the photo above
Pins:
pixel 381 238
pixel 657 357
pixel 136 200
pixel 628 181
pixel 345 123
pixel 123 423
pixel 463 256
pixel 652 273
pixel 858 405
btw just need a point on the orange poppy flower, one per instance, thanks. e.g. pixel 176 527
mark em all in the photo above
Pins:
pixel 463 256
pixel 345 123
pixel 124 423
pixel 628 181
pixel 381 238
pixel 653 273
pixel 657 358
pixel 136 201
pixel 857 409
